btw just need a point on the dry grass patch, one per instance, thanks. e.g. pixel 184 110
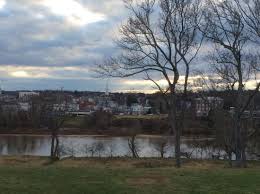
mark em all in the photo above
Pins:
pixel 23 160
pixel 147 180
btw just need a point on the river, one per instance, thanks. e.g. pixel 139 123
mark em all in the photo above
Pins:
pixel 103 146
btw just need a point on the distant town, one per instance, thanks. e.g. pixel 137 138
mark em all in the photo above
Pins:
pixel 85 103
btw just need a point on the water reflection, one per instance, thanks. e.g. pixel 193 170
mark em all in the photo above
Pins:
pixel 80 146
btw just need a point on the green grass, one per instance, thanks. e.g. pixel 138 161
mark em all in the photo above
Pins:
pixel 95 177
pixel 74 122
pixel 140 116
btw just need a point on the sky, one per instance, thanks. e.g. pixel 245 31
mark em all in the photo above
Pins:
pixel 49 44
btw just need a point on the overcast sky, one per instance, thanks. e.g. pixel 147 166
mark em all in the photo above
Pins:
pixel 49 44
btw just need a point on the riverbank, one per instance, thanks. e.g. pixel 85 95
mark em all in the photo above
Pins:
pixel 35 175
pixel 115 132
pixel 74 131
pixel 120 125
pixel 64 131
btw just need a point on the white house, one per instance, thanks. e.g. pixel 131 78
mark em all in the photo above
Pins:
pixel 72 107
pixel 137 109
pixel 59 107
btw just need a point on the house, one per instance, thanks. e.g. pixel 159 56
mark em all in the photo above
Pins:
pixel 12 107
pixel 24 106
pixel 72 107
pixel 204 105
pixel 123 109
pixel 136 109
pixel 147 107
pixel 7 98
pixel 86 106
pixel 25 96
pixel 59 107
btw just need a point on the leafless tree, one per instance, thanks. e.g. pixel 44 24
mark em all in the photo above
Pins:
pixel 99 147
pixel 161 145
pixel 111 149
pixel 158 41
pixel 250 11
pixel 224 133
pixel 54 118
pixel 95 149
pixel 55 122
pixel 133 146
pixel 227 31
pixel 89 149
pixel 69 150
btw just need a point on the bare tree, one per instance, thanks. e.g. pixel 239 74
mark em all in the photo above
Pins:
pixel 54 118
pixel 250 11
pixel 55 121
pixel 227 30
pixel 161 145
pixel 111 149
pixel 133 146
pixel 158 41
pixel 68 150
pixel 95 149
pixel 224 132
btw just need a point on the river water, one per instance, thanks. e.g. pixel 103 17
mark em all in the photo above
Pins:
pixel 100 146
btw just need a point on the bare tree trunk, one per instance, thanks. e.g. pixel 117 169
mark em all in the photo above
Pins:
pixel 54 145
pixel 162 153
pixel 175 128
pixel 132 146
pixel 56 150
pixel 244 144
pixel 238 114
pixel 178 147
pixel 237 138
pixel 180 122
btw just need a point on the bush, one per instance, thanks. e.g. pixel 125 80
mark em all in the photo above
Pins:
pixel 100 120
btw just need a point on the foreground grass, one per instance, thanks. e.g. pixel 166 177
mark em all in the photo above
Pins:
pixel 28 175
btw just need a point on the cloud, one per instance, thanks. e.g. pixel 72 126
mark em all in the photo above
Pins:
pixel 20 74
pixel 7 71
pixel 2 4
pixel 74 12
pixel 47 41
pixel 46 44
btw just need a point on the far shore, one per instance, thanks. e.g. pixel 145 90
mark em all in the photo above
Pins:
pixel 203 137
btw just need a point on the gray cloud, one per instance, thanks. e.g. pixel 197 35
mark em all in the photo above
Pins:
pixel 43 50
pixel 32 36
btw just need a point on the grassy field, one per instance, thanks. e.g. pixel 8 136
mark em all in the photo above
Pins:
pixel 74 122
pixel 124 176
pixel 77 122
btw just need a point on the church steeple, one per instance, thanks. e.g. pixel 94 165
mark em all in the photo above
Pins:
pixel 107 89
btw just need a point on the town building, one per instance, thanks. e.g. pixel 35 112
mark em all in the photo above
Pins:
pixel 204 105
pixel 24 106
pixel 25 96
